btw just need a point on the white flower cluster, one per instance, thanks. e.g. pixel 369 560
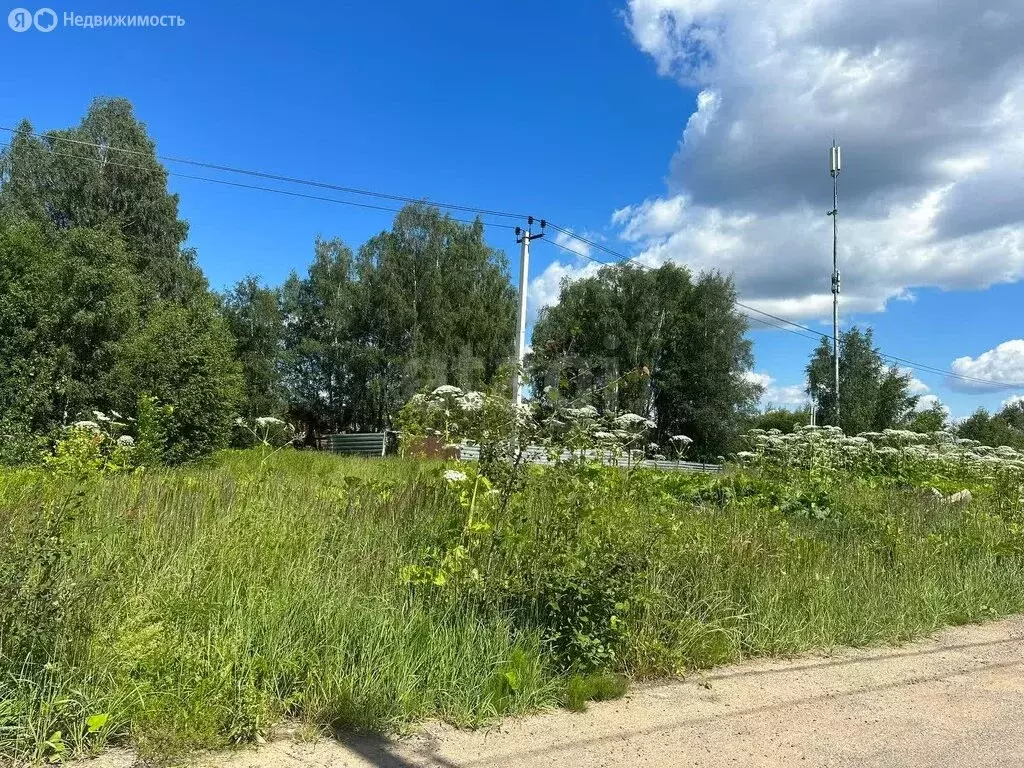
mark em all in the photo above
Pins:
pixel 633 422
pixel 478 418
pixel 107 426
pixel 447 390
pixel 454 476
pixel 911 454
pixel 271 421
pixel 472 401
pixel 585 413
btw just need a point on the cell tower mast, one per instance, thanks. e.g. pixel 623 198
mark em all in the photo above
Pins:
pixel 835 165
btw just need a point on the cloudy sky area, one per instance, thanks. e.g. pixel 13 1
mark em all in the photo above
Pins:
pixel 927 101
pixel 687 130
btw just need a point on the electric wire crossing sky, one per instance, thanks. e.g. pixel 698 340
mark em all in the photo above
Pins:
pixel 619 259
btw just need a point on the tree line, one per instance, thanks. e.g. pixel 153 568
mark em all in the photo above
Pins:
pixel 104 307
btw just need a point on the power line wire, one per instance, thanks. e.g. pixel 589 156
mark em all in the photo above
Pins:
pixel 240 185
pixel 266 175
pixel 795 325
pixel 621 258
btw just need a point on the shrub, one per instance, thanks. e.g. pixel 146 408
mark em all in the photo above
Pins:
pixel 182 356
pixel 88 448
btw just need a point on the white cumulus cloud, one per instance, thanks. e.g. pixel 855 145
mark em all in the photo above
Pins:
pixel 775 395
pixel 545 288
pixel 1012 400
pixel 927 402
pixel 568 240
pixel 927 100
pixel 1004 364
pixel 916 386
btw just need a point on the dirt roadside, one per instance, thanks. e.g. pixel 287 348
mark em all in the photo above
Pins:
pixel 954 700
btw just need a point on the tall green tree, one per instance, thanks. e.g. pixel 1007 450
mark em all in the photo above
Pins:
pixel 66 299
pixel 255 317
pixel 319 343
pixel 183 356
pixel 683 338
pixel 603 328
pixel 101 301
pixel 1005 427
pixel 435 306
pixel 104 172
pixel 702 390
pixel 872 395
pixel 423 304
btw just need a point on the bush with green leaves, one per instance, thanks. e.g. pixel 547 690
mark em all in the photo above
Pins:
pixel 93 446
pixel 183 356
pixel 19 445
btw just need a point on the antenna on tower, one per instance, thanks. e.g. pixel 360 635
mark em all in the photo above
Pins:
pixel 835 166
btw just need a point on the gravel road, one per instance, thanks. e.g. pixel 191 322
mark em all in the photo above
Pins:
pixel 954 700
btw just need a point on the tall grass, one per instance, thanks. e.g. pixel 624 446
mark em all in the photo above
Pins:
pixel 198 607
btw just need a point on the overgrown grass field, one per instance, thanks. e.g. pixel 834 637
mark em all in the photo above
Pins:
pixel 198 607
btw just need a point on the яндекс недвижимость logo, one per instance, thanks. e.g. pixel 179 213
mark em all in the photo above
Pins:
pixel 45 20
pixel 22 19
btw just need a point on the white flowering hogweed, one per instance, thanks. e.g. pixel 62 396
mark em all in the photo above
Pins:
pixel 909 458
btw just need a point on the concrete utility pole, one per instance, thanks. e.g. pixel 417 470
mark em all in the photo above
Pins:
pixel 834 168
pixel 523 238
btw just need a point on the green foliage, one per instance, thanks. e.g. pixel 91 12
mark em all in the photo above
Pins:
pixel 89 448
pixel 934 419
pixel 684 334
pixel 93 270
pixel 79 454
pixel 33 596
pixel 873 396
pixel 1003 428
pixel 182 356
pixel 65 300
pixel 18 444
pixel 425 304
pixel 66 185
pixel 319 339
pixel 593 687
pixel 152 421
pixel 436 307
pixel 256 321
pixel 782 419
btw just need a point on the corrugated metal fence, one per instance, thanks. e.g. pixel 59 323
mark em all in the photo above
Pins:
pixel 357 444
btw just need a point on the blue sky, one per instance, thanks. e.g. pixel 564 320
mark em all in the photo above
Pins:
pixel 575 111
